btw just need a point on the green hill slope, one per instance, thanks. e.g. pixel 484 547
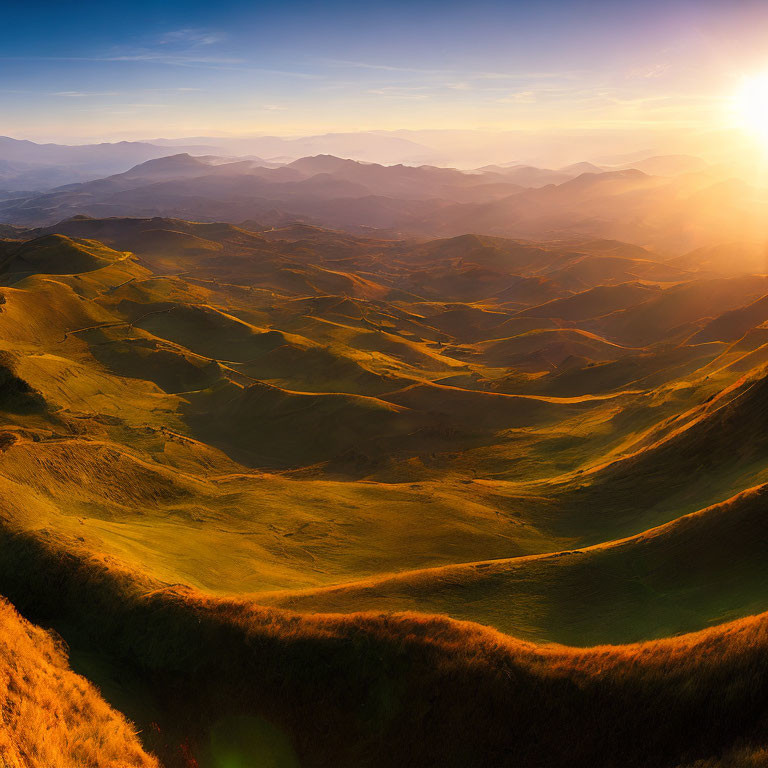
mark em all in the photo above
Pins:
pixel 218 447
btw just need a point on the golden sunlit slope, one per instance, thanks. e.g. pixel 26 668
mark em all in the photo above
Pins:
pixel 679 310
pixel 51 717
pixel 698 570
pixel 549 348
pixel 226 677
pixel 732 325
pixel 594 302
pixel 55 255
pixel 707 453
pixel 134 366
pixel 647 369
pixel 206 418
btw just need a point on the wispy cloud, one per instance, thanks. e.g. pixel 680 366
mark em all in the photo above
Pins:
pixel 188 36
pixel 652 72
pixel 463 77
pixel 521 97
pixel 81 94
pixel 111 94
pixel 393 92
pixel 416 92
pixel 384 67
pixel 148 56
pixel 523 75
pixel 174 60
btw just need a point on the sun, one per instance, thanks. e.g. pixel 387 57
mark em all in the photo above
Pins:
pixel 751 106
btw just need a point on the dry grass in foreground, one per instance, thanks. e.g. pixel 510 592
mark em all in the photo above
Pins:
pixel 51 717
pixel 404 690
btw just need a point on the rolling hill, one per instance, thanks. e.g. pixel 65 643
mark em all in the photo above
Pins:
pixel 288 495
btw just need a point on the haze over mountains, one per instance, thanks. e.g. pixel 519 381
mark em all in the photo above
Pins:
pixel 25 165
pixel 48 164
pixel 671 204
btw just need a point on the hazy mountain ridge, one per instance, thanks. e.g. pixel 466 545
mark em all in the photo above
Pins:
pixel 25 165
pixel 672 214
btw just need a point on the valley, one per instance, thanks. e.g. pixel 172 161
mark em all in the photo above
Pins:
pixel 258 479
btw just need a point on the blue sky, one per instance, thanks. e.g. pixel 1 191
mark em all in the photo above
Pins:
pixel 117 70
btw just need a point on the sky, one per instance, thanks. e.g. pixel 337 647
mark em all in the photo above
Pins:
pixel 105 71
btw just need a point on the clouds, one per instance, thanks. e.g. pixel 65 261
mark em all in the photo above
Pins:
pixel 85 94
pixel 113 94
pixel 650 72
pixel 521 97
pixel 383 67
pixel 343 66
pixel 414 93
pixel 191 37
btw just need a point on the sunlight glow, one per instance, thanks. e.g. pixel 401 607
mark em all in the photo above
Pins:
pixel 751 106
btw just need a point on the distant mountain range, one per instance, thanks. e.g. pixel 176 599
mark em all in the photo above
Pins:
pixel 25 165
pixel 683 205
pixel 367 146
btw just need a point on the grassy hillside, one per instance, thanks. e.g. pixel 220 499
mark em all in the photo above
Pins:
pixel 51 717
pixel 254 681
pixel 258 479
pixel 698 570
pixel 54 254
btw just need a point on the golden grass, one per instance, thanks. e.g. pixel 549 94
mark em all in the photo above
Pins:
pixel 393 689
pixel 316 363
pixel 51 717
pixel 638 588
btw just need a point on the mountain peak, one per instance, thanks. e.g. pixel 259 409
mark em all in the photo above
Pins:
pixel 172 161
pixel 171 164
pixel 321 164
